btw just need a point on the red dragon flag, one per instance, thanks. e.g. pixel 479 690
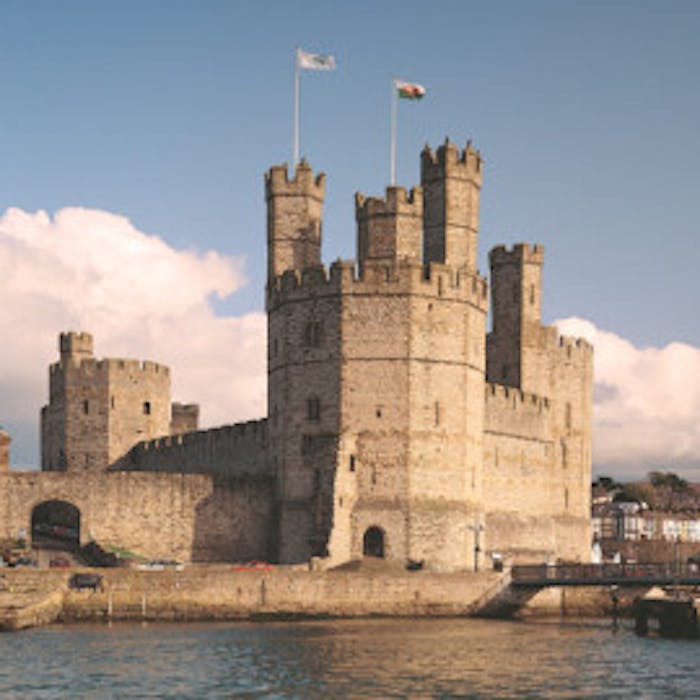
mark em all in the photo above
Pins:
pixel 409 91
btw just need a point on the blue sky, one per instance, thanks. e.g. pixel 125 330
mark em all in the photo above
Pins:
pixel 169 113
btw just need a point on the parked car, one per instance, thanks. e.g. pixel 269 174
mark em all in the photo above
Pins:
pixel 80 582
pixel 254 565
pixel 161 565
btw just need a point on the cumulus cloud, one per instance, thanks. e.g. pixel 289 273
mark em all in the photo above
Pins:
pixel 646 412
pixel 139 297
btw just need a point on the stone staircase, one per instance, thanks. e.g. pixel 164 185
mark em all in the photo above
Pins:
pixel 29 598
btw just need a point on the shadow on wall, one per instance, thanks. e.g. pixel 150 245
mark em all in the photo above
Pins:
pixel 236 521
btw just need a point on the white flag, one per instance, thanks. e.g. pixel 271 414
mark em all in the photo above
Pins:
pixel 315 61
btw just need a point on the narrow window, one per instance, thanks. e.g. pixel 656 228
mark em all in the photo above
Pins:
pixel 504 372
pixel 352 463
pixel 313 409
pixel 86 407
pixel 437 413
pixel 374 476
pixel 532 294
pixel 146 408
pixel 566 499
pixel 111 402
pixel 378 412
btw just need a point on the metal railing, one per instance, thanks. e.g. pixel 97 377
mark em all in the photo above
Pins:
pixel 592 574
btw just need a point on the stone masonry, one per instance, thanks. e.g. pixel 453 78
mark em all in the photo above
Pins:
pixel 396 426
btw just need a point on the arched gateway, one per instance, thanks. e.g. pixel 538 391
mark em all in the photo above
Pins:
pixel 373 542
pixel 56 524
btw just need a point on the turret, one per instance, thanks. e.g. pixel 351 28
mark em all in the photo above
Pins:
pixel 75 346
pixel 392 228
pixel 294 214
pixel 451 181
pixel 515 357
pixel 184 418
pixel 4 451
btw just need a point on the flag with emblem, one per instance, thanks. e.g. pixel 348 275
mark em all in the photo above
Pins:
pixel 409 91
pixel 315 61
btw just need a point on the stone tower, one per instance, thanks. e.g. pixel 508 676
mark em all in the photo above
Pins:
pixel 516 354
pixel 294 214
pixel 451 181
pixel 99 409
pixel 390 229
pixel 4 451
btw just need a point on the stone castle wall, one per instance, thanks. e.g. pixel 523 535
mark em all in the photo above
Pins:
pixel 231 450
pixel 189 517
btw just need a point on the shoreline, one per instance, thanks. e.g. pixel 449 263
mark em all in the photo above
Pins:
pixel 212 593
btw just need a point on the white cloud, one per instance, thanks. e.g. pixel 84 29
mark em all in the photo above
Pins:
pixel 646 403
pixel 94 271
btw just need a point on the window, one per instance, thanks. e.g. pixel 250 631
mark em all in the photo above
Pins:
pixel 313 332
pixel 352 463
pixel 313 409
pixel 111 402
pixel 86 407
pixel 437 413
pixel 146 408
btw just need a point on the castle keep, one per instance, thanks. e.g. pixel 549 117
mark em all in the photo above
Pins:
pixel 396 427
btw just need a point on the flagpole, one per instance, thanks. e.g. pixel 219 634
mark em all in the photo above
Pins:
pixel 392 139
pixel 296 107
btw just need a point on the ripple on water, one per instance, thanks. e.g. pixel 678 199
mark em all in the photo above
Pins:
pixel 354 658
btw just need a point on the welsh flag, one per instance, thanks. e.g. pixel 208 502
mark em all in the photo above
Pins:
pixel 409 91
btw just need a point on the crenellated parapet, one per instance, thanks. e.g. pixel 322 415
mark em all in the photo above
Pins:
pixel 516 414
pixel 302 183
pixel 378 278
pixel 520 253
pixel 452 161
pixel 230 450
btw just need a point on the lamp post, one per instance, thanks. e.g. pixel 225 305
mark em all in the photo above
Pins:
pixel 477 528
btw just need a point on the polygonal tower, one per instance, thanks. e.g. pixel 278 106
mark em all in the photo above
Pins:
pixel 99 409
pixel 294 213
pixel 451 181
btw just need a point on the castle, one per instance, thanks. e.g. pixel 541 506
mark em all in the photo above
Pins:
pixel 397 427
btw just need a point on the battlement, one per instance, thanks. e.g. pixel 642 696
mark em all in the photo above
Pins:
pixel 75 345
pixel 573 348
pixel 397 202
pixel 450 160
pixel 231 450
pixel 397 277
pixel 516 414
pixel 116 365
pixel 508 396
pixel 303 182
pixel 519 253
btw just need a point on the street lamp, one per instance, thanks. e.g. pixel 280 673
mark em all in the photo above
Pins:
pixel 476 528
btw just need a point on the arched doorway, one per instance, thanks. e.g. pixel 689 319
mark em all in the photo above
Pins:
pixel 56 525
pixel 373 543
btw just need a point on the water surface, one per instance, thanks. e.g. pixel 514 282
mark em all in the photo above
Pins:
pixel 357 658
